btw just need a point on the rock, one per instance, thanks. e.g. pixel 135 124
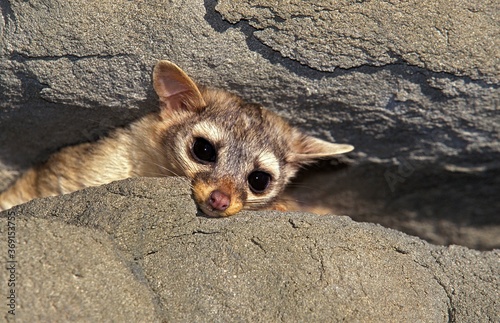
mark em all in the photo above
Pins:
pixel 71 274
pixel 413 87
pixel 135 250
pixel 347 34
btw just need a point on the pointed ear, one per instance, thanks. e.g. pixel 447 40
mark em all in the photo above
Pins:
pixel 306 149
pixel 175 89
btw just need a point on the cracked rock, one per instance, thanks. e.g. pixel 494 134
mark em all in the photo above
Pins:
pixel 442 36
pixel 99 255
pixel 413 86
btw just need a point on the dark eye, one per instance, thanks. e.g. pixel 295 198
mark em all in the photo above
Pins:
pixel 259 181
pixel 203 151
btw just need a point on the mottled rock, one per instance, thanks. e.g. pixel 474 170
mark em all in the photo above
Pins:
pixel 136 250
pixel 441 36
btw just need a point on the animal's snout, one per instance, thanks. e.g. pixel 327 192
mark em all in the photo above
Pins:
pixel 219 201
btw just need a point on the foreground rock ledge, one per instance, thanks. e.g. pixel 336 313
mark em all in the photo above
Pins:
pixel 135 250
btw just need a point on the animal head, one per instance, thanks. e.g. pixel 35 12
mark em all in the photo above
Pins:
pixel 238 155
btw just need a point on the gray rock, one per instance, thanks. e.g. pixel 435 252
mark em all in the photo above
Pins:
pixel 135 250
pixel 69 274
pixel 414 87
pixel 326 35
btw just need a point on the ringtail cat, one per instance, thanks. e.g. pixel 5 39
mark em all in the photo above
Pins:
pixel 237 155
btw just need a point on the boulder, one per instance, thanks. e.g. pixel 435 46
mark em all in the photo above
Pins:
pixel 136 250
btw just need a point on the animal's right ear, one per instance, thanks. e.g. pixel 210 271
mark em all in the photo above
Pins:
pixel 175 89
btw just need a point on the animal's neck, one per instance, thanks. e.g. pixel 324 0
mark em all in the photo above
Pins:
pixel 146 153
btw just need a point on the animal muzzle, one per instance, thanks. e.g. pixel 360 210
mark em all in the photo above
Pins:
pixel 217 199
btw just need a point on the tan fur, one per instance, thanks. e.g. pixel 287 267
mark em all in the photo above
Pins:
pixel 247 138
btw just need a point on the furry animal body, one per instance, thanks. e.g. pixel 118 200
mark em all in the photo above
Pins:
pixel 237 155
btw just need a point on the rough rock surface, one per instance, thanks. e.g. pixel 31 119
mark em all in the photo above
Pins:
pixel 325 35
pixel 135 250
pixel 414 87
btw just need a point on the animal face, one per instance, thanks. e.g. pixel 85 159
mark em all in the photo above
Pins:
pixel 234 153
pixel 238 155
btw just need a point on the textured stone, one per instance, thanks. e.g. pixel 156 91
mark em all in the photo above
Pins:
pixel 138 245
pixel 69 274
pixel 414 87
pixel 442 36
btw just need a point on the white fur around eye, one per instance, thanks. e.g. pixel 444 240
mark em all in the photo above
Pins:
pixel 269 163
pixel 186 162
pixel 209 131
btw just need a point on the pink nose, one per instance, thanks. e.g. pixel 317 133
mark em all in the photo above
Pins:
pixel 219 200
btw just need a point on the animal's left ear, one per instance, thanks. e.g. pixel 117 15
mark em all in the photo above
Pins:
pixel 306 149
